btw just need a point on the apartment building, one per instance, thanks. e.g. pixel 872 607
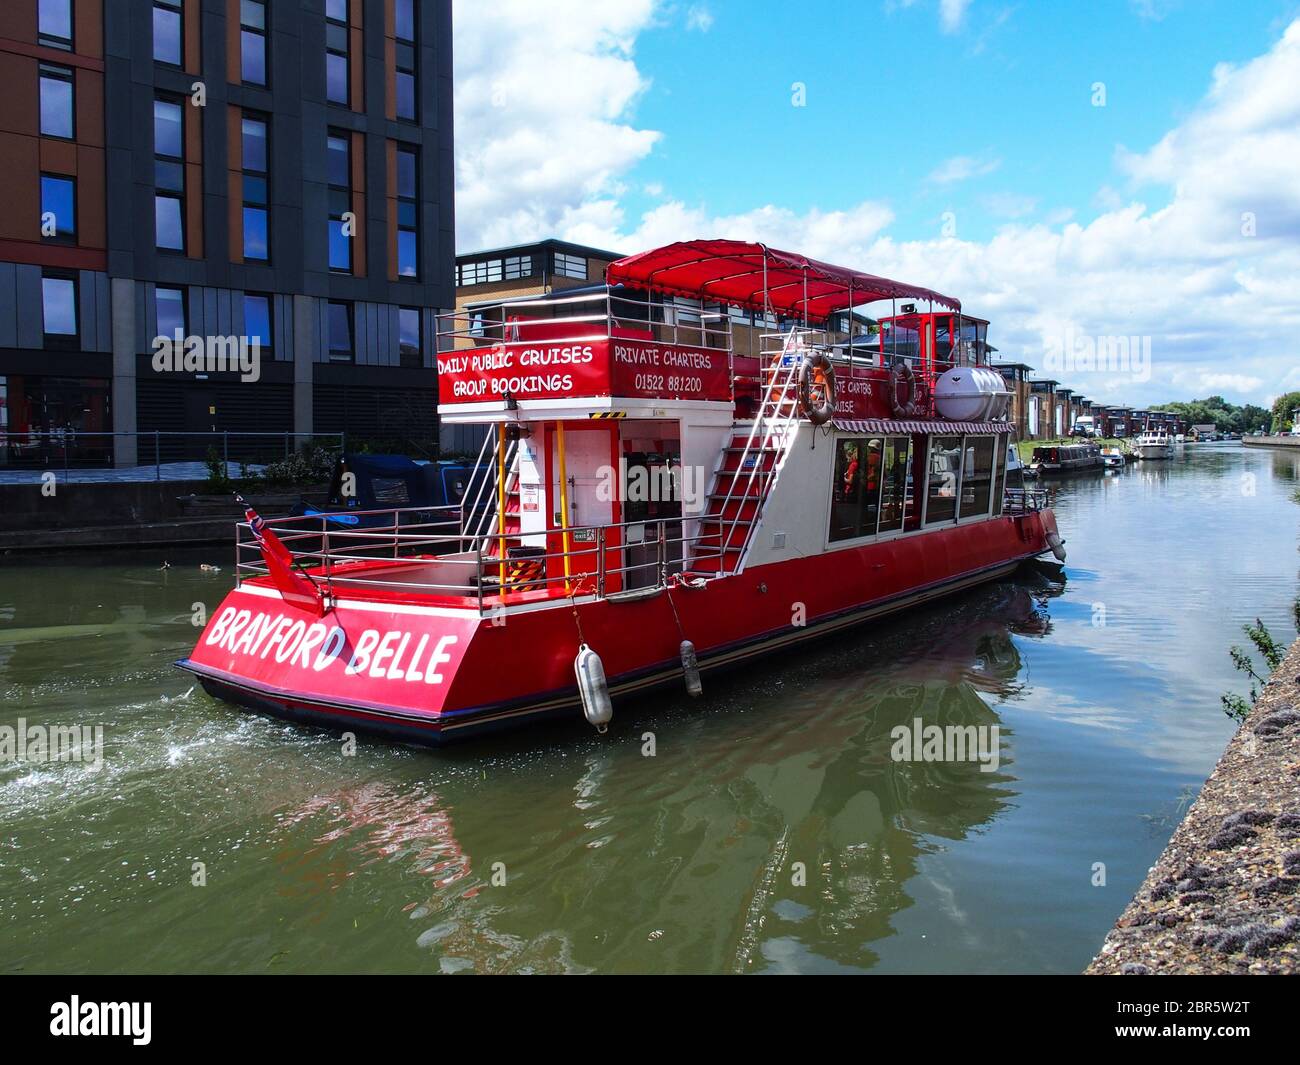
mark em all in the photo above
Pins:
pixel 269 171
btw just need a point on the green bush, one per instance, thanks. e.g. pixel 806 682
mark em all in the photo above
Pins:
pixel 311 465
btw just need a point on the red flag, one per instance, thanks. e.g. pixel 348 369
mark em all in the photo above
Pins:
pixel 294 587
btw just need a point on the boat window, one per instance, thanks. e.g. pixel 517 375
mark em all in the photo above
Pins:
pixel 894 482
pixel 1001 456
pixel 977 477
pixel 944 479
pixel 391 492
pixel 855 494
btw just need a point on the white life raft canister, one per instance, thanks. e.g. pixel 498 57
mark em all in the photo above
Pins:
pixel 972 394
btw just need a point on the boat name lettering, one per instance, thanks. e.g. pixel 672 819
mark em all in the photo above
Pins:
pixel 316 646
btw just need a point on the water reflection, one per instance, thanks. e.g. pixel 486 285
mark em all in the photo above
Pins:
pixel 559 851
pixel 808 830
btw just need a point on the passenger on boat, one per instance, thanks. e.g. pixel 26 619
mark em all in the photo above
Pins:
pixel 873 466
pixel 850 471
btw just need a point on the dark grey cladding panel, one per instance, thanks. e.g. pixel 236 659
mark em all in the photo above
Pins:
pixel 429 336
pixel 387 346
pixel 104 309
pixel 211 325
pixel 88 310
pixel 8 306
pixel 283 328
pixel 31 322
pixel 144 312
pixel 225 313
pixel 372 334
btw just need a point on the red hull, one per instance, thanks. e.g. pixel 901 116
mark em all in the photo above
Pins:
pixel 424 670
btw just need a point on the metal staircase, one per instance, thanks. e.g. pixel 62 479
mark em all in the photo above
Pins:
pixel 749 466
pixel 479 504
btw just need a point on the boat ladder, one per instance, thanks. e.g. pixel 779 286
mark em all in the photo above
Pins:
pixel 748 469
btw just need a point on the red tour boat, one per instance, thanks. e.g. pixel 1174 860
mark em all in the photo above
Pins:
pixel 710 457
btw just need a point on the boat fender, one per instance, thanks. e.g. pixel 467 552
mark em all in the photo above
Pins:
pixel 817 367
pixel 593 689
pixel 691 670
pixel 1057 545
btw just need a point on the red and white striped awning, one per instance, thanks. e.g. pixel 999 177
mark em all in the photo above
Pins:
pixel 885 426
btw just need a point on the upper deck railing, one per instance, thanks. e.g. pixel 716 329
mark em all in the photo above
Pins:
pixel 568 317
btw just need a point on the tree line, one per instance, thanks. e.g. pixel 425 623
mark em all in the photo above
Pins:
pixel 1229 418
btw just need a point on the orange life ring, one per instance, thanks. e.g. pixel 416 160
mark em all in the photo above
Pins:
pixel 817 368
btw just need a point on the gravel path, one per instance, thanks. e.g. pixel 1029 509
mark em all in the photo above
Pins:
pixel 1224 896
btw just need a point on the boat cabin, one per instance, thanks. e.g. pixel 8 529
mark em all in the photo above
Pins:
pixel 636 430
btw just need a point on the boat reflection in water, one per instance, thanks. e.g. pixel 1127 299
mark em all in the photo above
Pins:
pixel 800 841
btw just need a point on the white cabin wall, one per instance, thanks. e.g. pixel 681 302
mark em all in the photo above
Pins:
pixel 702 438
pixel 799 505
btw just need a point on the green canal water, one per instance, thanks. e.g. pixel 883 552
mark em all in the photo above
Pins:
pixel 771 832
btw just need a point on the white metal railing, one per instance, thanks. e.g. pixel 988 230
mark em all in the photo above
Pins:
pixel 582 316
pixel 433 556
pixel 1024 500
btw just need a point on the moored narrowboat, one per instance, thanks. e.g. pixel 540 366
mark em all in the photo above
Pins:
pixel 1066 458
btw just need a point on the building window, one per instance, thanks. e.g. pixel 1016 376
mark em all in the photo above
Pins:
pixel 54 26
pixel 169 315
pixel 257 320
pixel 168 32
pixel 338 170
pixel 169 175
pixel 518 266
pixel 338 82
pixel 405 12
pixel 570 266
pixel 479 273
pixel 340 333
pixel 405 77
pixel 59 306
pixel 255 153
pixel 409 347
pixel 408 230
pixel 252 42
pixel 56 102
pixel 58 207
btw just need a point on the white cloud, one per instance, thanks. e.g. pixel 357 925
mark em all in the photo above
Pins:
pixel 951 13
pixel 961 168
pixel 699 17
pixel 1009 204
pixel 543 104
pixel 1218 305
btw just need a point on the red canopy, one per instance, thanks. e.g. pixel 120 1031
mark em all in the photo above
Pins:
pixel 737 272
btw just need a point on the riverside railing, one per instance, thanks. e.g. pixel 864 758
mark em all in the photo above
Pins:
pixel 73 449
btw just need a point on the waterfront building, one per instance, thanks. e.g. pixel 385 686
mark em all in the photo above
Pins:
pixel 278 172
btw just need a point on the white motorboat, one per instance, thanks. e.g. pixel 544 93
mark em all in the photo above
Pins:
pixel 1154 444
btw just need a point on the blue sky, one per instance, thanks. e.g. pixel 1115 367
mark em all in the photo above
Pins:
pixel 951 143
pixel 890 98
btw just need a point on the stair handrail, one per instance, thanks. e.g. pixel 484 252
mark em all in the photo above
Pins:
pixel 770 416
